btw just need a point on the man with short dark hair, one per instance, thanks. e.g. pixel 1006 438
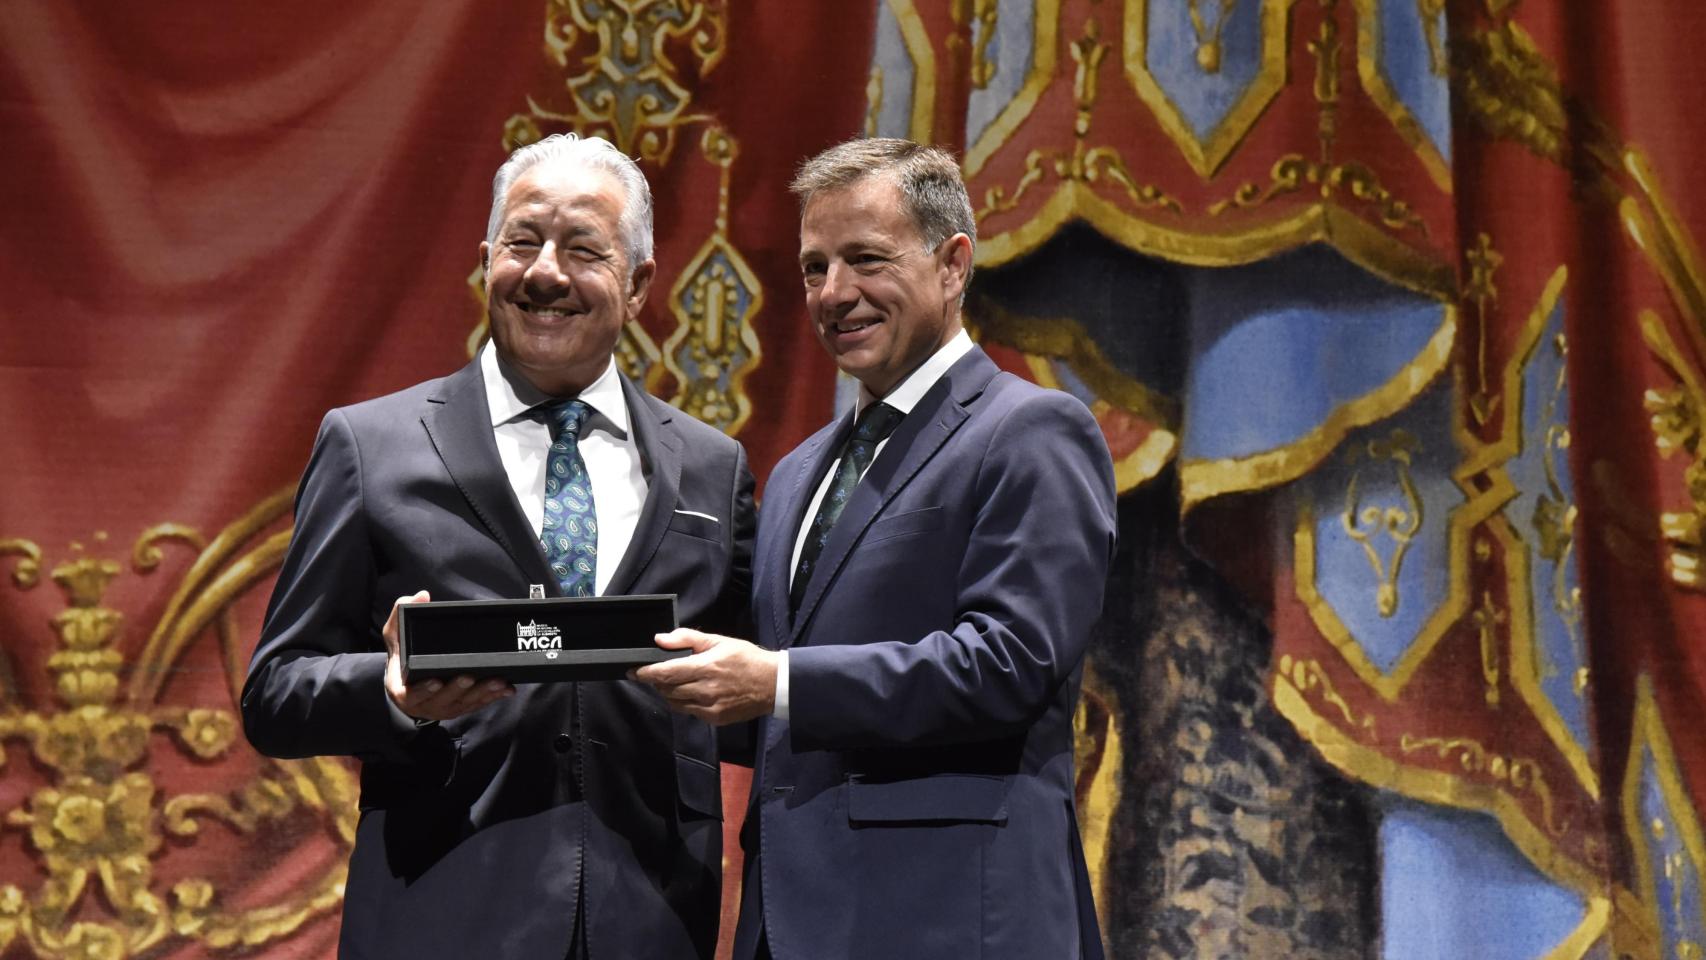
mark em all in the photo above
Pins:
pixel 927 573
pixel 547 820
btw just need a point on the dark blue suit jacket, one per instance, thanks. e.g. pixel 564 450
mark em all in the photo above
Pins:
pixel 919 801
pixel 475 833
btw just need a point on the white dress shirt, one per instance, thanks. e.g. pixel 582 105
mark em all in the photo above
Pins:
pixel 606 444
pixel 903 397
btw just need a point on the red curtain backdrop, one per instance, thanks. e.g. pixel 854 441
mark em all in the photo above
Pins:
pixel 218 222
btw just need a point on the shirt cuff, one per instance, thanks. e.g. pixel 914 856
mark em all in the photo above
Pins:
pixel 781 711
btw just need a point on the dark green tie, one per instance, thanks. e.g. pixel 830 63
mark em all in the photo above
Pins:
pixel 875 424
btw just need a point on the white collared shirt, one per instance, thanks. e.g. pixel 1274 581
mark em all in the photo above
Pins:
pixel 903 397
pixel 607 445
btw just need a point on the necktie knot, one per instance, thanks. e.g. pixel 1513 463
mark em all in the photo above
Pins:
pixel 876 423
pixel 565 417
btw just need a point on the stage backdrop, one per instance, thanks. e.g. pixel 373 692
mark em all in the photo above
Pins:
pixel 1392 311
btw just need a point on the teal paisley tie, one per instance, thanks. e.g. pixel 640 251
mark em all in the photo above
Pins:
pixel 570 530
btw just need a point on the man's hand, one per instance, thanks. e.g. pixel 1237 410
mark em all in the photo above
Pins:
pixel 434 699
pixel 724 680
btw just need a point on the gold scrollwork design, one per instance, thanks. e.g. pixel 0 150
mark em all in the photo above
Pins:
pixel 1088 165
pixel 1488 617
pixel 1651 741
pixel 1554 519
pixel 1484 263
pixel 1308 676
pixel 1510 88
pixel 1528 667
pixel 630 90
pixel 638 355
pixel 1513 92
pixel 985 16
pixel 714 346
pixel 1400 523
pixel 1667 243
pixel 1580 867
pixel 1518 773
pixel 1325 49
pixel 1677 416
pixel 99 823
pixel 28 569
pixel 1045 27
pixel 1294 172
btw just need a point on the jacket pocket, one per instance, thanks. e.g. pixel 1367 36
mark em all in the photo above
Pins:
pixel 703 528
pixel 955 797
pixel 905 524
pixel 700 787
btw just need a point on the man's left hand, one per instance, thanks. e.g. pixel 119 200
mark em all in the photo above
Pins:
pixel 723 681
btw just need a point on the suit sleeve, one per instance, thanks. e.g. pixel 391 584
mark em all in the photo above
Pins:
pixel 734 607
pixel 735 742
pixel 316 682
pixel 1028 590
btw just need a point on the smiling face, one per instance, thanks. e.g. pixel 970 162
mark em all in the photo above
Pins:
pixel 880 302
pixel 558 284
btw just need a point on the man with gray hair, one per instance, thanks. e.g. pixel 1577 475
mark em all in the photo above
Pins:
pixel 545 820
pixel 927 572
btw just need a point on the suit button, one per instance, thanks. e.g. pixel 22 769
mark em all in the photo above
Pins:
pixel 563 743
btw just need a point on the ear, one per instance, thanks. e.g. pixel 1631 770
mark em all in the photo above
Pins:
pixel 956 265
pixel 485 257
pixel 639 285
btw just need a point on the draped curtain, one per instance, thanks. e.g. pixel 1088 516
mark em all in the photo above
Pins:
pixel 1392 311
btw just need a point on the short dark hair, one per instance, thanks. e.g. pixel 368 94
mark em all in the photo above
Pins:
pixel 931 190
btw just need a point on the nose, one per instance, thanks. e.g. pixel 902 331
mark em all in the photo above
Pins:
pixel 545 277
pixel 838 292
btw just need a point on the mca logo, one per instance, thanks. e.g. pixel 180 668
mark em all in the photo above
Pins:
pixel 539 636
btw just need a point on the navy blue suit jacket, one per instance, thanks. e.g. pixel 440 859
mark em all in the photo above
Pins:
pixel 919 801
pixel 475 833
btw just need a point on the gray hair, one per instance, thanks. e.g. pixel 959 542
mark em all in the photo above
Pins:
pixel 932 193
pixel 593 153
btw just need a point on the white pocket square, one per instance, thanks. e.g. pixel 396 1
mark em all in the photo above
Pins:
pixel 695 513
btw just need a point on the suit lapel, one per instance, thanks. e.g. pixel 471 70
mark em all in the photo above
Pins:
pixel 920 436
pixel 459 421
pixel 790 501
pixel 660 452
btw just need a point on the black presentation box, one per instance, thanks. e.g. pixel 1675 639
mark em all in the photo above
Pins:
pixel 532 641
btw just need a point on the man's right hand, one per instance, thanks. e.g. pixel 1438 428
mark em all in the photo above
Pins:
pixel 434 699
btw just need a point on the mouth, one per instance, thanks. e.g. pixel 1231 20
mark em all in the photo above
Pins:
pixel 543 312
pixel 847 327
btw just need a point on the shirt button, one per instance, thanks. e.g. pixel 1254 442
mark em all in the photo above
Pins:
pixel 563 743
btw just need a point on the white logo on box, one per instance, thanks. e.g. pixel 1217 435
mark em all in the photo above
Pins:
pixel 538 636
